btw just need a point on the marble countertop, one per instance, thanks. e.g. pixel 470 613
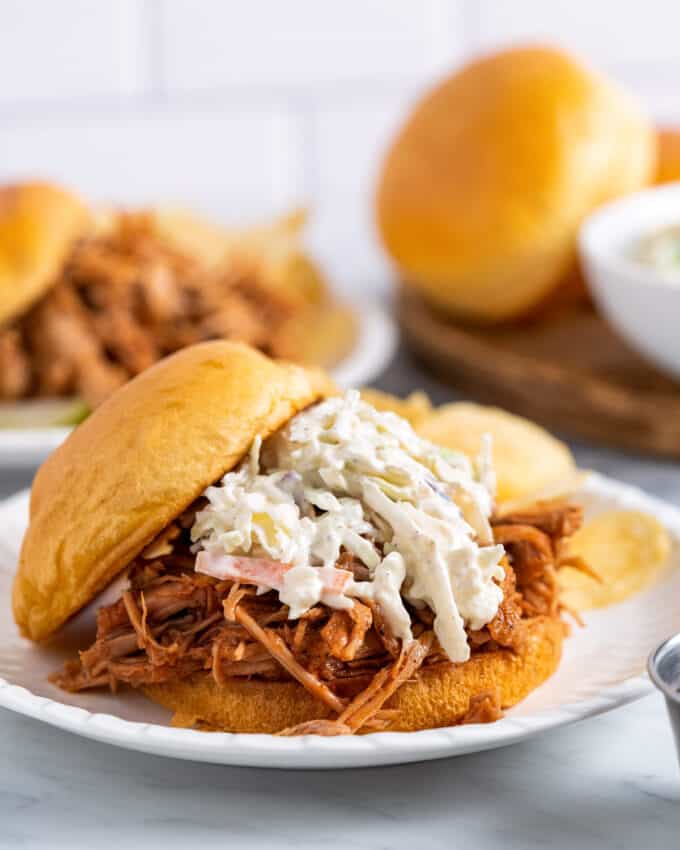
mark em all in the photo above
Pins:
pixel 608 782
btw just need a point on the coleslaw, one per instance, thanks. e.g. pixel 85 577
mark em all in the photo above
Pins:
pixel 342 478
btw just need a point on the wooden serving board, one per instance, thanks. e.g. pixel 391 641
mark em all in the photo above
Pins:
pixel 569 371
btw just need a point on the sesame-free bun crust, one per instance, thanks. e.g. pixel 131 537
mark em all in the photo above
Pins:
pixel 437 697
pixel 138 461
pixel 484 187
pixel 39 224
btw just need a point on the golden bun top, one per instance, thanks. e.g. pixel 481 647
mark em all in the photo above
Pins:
pixel 484 187
pixel 39 224
pixel 668 167
pixel 138 461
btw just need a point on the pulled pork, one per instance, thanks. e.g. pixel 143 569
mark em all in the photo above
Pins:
pixel 124 300
pixel 172 623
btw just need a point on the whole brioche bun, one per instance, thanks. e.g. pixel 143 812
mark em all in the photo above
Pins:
pixel 138 461
pixel 668 166
pixel 439 696
pixel 484 187
pixel 39 224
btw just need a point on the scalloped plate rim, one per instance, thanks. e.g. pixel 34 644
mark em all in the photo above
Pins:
pixel 313 752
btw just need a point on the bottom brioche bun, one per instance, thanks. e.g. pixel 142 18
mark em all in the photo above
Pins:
pixel 437 697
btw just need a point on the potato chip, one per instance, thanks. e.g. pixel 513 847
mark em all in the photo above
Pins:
pixel 274 247
pixel 526 457
pixel 192 233
pixel 414 408
pixel 563 488
pixel 627 549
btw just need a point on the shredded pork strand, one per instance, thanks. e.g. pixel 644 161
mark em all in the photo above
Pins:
pixel 278 649
pixel 364 706
pixel 326 728
pixel 484 708
pixel 173 623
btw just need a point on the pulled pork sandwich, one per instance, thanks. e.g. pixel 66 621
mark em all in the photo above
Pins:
pixel 88 301
pixel 295 561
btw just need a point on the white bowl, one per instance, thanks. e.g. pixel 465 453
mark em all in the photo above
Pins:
pixel 641 302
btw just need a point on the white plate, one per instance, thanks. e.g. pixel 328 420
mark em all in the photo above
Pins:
pixel 602 668
pixel 375 346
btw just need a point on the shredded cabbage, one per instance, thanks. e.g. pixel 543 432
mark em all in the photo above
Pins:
pixel 341 476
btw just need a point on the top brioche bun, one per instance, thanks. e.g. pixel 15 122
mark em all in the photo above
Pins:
pixel 138 461
pixel 484 187
pixel 39 223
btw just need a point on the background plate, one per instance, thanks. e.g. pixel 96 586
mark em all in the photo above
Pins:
pixel 602 668
pixel 375 346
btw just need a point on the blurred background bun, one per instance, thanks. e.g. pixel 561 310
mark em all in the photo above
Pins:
pixel 484 187
pixel 39 224
pixel 668 166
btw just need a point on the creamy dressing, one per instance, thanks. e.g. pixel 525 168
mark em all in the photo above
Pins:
pixel 661 250
pixel 343 477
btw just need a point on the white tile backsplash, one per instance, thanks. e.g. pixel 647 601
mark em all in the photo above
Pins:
pixel 343 229
pixel 244 108
pixel 300 43
pixel 610 31
pixel 236 166
pixel 656 88
pixel 69 48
